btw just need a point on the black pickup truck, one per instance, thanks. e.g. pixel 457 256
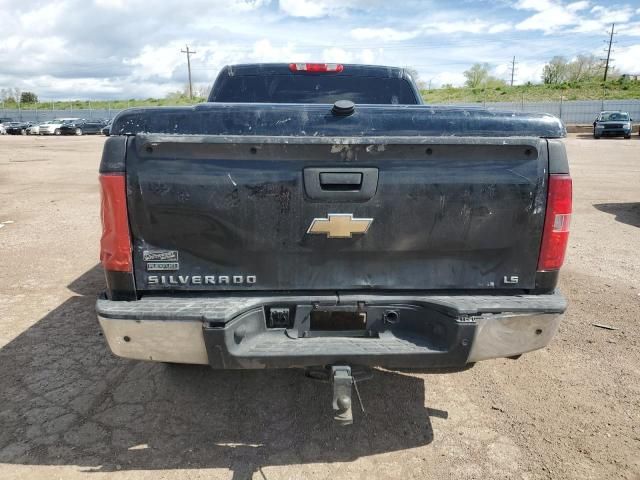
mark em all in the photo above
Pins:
pixel 357 228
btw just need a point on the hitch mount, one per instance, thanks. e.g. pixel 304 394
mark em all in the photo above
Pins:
pixel 342 378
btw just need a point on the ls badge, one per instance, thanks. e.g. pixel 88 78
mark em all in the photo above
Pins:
pixel 340 225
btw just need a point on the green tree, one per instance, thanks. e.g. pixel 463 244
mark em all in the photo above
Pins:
pixel 28 97
pixel 477 75
pixel 584 68
pixel 556 71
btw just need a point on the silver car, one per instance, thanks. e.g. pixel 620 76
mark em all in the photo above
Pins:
pixel 52 127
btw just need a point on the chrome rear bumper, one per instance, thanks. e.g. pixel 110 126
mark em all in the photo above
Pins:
pixel 231 333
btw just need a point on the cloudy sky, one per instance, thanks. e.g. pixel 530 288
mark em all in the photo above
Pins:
pixel 99 49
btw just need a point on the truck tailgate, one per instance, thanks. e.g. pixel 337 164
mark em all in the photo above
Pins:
pixel 244 212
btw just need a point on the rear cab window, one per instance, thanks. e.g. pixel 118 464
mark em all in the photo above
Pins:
pixel 305 87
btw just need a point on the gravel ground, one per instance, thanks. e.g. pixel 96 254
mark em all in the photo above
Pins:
pixel 69 409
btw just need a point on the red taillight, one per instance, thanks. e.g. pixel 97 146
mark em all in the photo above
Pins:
pixel 115 244
pixel 316 67
pixel 556 223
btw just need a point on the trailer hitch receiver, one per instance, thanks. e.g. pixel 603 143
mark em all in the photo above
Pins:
pixel 342 381
pixel 342 378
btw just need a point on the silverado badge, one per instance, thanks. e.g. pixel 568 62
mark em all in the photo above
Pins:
pixel 340 225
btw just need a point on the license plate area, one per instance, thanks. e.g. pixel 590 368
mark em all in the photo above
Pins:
pixel 332 321
pixel 337 321
pixel 364 320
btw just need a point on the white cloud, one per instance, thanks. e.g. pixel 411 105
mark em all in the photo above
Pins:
pixel 500 27
pixel 337 55
pixel 157 61
pixel 549 19
pixel 369 56
pixel 303 8
pixel 340 55
pixel 589 26
pixel 577 6
pixel 110 4
pixel 247 5
pixel 42 19
pixel 552 15
pixel 538 5
pixel 447 27
pixel 469 26
pixel 628 59
pixel 264 51
pixel 456 79
pixel 525 72
pixel 617 15
pixel 89 49
pixel 383 34
pixel 631 29
pixel 602 20
pixel 319 8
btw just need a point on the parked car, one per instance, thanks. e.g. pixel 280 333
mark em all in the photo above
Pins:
pixel 53 127
pixel 612 124
pixel 17 128
pixel 39 128
pixel 35 128
pixel 3 124
pixel 106 130
pixel 82 127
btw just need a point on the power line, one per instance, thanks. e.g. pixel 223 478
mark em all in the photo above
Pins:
pixel 606 67
pixel 189 53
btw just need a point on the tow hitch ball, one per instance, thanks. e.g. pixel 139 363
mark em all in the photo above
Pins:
pixel 342 380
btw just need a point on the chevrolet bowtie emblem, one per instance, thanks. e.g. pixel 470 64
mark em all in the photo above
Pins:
pixel 340 225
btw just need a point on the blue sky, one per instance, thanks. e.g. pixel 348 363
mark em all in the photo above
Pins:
pixel 131 48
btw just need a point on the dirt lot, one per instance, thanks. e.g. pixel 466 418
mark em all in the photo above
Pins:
pixel 68 407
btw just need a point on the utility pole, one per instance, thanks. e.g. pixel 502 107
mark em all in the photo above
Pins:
pixel 189 53
pixel 513 69
pixel 606 67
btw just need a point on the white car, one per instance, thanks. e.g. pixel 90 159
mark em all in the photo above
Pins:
pixel 52 127
pixel 34 129
pixel 3 121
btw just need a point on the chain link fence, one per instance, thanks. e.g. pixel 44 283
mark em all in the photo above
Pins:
pixel 574 112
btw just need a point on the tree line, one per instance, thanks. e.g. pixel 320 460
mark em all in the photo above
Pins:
pixel 582 68
pixel 15 95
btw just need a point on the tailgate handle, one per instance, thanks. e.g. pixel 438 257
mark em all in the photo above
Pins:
pixel 340 181
pixel 340 184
